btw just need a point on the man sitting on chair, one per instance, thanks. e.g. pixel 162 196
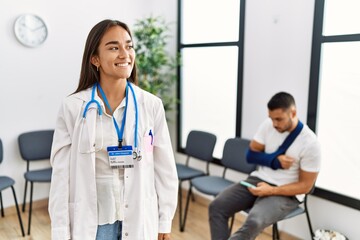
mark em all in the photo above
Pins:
pixel 287 153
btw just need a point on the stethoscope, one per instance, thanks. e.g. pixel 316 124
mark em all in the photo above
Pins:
pixel 119 131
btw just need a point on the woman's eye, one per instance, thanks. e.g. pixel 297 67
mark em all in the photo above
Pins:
pixel 114 48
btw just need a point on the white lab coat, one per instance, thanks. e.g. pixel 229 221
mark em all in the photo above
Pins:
pixel 150 188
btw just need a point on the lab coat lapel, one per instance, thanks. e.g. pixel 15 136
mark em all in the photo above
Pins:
pixel 91 119
pixel 89 133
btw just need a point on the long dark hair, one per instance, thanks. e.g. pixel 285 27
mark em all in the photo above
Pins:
pixel 89 75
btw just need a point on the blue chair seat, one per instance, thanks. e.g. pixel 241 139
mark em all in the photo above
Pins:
pixel 211 185
pixel 6 182
pixel 43 175
pixel 186 173
pixel 295 212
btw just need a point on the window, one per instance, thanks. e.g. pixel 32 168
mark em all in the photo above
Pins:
pixel 211 50
pixel 334 98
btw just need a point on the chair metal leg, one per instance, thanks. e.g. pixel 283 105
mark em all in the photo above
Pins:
pixel 275 232
pixel 18 212
pixel 180 204
pixel 25 191
pixel 30 207
pixel 231 224
pixel 2 206
pixel 182 226
pixel 308 219
pixel 193 197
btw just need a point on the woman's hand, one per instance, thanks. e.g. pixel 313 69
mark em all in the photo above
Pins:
pixel 164 236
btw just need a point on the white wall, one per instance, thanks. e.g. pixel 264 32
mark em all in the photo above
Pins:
pixel 278 38
pixel 35 80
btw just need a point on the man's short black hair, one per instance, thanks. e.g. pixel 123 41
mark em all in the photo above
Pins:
pixel 281 100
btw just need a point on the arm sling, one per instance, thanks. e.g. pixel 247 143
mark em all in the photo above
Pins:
pixel 270 159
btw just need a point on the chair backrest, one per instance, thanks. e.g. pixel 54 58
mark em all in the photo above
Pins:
pixel 1 151
pixel 36 145
pixel 200 145
pixel 234 155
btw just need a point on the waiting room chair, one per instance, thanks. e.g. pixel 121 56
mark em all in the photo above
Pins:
pixel 234 157
pixel 199 145
pixel 298 211
pixel 35 146
pixel 6 182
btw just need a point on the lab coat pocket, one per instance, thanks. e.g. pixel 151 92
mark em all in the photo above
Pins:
pixel 149 141
pixel 147 146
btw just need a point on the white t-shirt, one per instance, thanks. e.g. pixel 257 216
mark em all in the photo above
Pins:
pixel 305 150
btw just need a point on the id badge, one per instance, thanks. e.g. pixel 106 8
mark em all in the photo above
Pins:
pixel 120 157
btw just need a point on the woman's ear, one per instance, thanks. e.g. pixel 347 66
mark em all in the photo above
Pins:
pixel 95 61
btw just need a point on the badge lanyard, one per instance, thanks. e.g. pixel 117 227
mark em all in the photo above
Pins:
pixel 120 131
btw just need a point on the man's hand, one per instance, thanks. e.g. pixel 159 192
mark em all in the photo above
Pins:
pixel 262 189
pixel 286 161
pixel 164 236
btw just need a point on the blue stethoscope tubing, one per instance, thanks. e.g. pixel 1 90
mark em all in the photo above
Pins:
pixel 92 101
pixel 120 131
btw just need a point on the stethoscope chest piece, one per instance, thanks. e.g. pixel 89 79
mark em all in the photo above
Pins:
pixel 137 155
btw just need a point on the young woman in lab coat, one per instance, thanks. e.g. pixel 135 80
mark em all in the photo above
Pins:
pixel 114 173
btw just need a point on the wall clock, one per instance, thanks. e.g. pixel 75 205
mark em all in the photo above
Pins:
pixel 30 30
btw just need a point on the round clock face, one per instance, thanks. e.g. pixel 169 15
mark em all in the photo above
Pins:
pixel 30 30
